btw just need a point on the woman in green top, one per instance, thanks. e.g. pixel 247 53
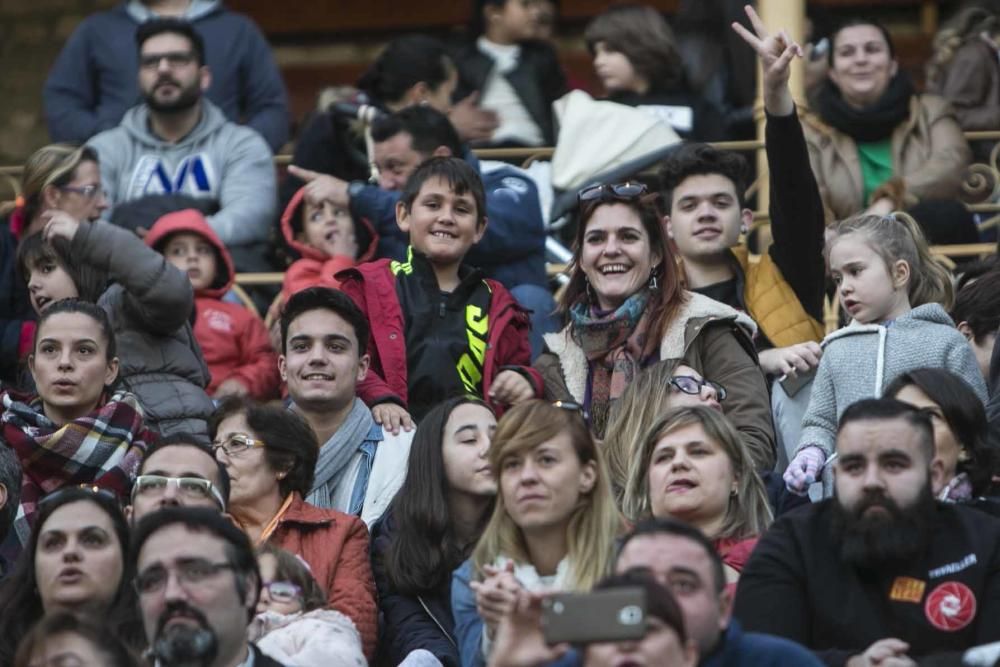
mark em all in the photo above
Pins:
pixel 874 143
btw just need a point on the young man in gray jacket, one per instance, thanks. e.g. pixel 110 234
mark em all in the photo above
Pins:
pixel 179 142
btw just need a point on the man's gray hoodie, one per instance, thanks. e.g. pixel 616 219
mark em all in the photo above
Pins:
pixel 218 160
pixel 861 359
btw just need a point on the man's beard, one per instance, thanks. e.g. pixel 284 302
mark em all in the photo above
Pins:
pixel 182 644
pixel 185 100
pixel 871 542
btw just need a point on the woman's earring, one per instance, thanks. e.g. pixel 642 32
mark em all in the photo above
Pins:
pixel 591 295
pixel 653 284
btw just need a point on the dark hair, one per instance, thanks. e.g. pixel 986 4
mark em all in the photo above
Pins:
pixel 428 129
pixel 477 23
pixel 965 415
pixel 675 528
pixel 978 304
pixel 702 160
pixel 459 176
pixel 289 442
pixel 291 568
pixel 112 651
pixel 883 409
pixel 10 479
pixel 324 298
pixel 176 26
pixel 90 282
pixel 669 295
pixel 851 23
pixel 402 64
pixel 91 310
pixel 20 601
pixel 239 551
pixel 641 34
pixel 189 440
pixel 660 602
pixel 425 549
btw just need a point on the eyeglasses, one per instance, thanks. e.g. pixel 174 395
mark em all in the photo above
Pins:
pixel 193 487
pixel 626 191
pixel 85 191
pixel 282 591
pixel 92 489
pixel 237 443
pixel 191 571
pixel 173 58
pixel 572 406
pixel 691 385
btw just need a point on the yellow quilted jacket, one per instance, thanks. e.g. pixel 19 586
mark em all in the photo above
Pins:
pixel 773 304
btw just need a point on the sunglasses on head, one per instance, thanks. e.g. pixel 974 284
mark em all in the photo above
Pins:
pixel 90 489
pixel 572 406
pixel 627 191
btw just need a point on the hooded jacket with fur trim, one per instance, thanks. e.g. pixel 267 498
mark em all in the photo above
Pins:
pixel 316 268
pixel 233 340
pixel 706 335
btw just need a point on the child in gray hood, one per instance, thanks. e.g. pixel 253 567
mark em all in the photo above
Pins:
pixel 892 287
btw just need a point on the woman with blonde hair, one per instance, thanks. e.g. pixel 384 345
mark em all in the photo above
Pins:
pixel 57 177
pixel 664 385
pixel 553 526
pixel 690 465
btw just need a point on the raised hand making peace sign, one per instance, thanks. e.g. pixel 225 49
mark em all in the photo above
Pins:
pixel 776 52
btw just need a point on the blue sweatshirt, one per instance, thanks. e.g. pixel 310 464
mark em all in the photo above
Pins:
pixel 95 78
pixel 511 252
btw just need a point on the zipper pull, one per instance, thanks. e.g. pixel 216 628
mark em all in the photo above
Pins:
pixel 441 309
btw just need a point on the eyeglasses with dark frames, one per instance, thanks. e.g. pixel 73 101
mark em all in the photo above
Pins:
pixel 92 489
pixel 572 406
pixel 189 571
pixel 693 385
pixel 627 191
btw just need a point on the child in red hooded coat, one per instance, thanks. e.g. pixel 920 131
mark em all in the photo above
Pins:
pixel 233 340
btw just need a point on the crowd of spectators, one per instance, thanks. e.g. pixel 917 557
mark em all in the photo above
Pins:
pixel 423 449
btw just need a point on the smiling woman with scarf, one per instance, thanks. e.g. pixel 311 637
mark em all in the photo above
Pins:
pixel 874 142
pixel 76 429
pixel 627 310
pixel 270 454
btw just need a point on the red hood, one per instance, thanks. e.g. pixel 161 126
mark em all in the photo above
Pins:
pixel 362 229
pixel 190 220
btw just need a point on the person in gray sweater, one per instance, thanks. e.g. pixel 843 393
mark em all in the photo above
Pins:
pixel 888 282
pixel 179 142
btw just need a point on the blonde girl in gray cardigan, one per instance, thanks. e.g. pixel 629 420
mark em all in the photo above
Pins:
pixel 894 291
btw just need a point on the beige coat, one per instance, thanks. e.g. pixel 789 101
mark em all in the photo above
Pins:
pixel 929 154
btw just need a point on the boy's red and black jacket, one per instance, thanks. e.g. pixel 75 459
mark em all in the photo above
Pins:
pixel 372 286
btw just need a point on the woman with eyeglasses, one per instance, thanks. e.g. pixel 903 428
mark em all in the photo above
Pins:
pixel 553 526
pixel 431 527
pixel 76 427
pixel 293 625
pixel 270 454
pixel 73 563
pixel 626 309
pixel 690 465
pixel 664 385
pixel 56 177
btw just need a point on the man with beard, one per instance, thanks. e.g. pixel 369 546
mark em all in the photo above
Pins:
pixel 881 573
pixel 177 142
pixel 197 582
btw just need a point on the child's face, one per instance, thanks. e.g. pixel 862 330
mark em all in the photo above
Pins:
pixel 615 70
pixel 195 256
pixel 442 225
pixel 867 290
pixel 48 282
pixel 268 592
pixel 327 228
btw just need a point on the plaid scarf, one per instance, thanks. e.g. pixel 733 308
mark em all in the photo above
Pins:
pixel 104 448
pixel 613 344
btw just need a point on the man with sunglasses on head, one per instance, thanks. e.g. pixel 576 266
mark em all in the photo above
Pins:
pixel 178 472
pixel 512 251
pixel 178 143
pixel 197 584
pixel 704 197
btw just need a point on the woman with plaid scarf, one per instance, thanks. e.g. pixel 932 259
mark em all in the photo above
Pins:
pixel 76 429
